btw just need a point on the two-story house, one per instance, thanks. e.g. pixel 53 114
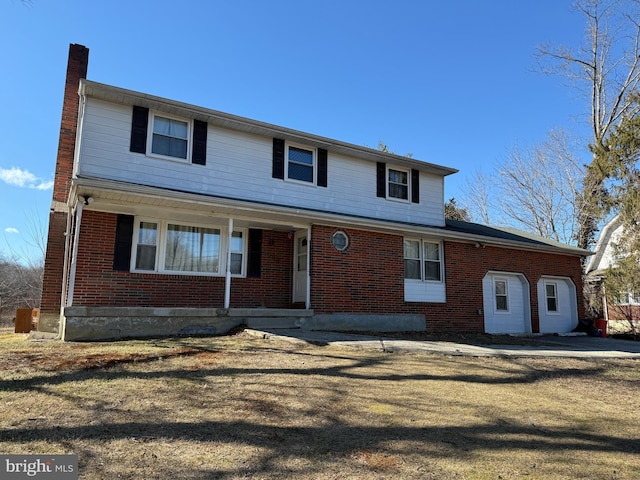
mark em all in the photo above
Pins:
pixel 169 218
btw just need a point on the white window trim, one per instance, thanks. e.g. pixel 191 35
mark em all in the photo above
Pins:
pixel 422 241
pixel 314 152
pixel 161 245
pixel 546 298
pixel 506 294
pixel 386 183
pixel 152 117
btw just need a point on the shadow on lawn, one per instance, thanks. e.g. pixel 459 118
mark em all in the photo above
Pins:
pixel 331 440
pixel 107 370
pixel 337 441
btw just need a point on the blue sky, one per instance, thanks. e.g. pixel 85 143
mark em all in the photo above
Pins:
pixel 453 82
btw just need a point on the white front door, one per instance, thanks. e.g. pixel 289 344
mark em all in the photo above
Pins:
pixel 300 265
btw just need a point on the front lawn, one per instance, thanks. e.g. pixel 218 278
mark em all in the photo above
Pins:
pixel 245 407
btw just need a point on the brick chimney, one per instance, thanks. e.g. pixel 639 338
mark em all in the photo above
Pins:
pixel 50 303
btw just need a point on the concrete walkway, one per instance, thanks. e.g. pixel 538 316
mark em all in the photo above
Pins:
pixel 549 345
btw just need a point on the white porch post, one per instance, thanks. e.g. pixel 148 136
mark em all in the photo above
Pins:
pixel 308 300
pixel 74 255
pixel 227 283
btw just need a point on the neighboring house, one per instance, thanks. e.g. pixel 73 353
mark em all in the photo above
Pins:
pixel 169 218
pixel 619 313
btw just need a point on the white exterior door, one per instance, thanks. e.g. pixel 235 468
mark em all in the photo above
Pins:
pixel 300 267
pixel 557 305
pixel 506 303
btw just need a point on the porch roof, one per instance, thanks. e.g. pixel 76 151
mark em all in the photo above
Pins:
pixel 129 198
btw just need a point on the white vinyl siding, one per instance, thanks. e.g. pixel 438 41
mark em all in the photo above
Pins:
pixel 239 166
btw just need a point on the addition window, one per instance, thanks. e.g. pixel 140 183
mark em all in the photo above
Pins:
pixel 422 260
pixel 167 247
pixel 501 295
pixel 398 184
pixel 551 290
pixel 301 163
pixel 169 137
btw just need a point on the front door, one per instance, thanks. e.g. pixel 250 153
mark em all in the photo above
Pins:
pixel 300 262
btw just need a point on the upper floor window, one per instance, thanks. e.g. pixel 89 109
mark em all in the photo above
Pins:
pixel 398 184
pixel 422 260
pixel 300 163
pixel 170 137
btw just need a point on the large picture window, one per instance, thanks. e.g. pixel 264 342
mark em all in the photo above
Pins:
pixel 169 247
pixel 192 249
pixel 422 260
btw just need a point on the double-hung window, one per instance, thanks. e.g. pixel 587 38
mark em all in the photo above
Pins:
pixel 551 291
pixel 398 184
pixel 169 137
pixel 422 260
pixel 501 293
pixel 300 163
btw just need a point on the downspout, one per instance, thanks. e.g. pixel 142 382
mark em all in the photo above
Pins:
pixel 74 256
pixel 307 302
pixel 227 283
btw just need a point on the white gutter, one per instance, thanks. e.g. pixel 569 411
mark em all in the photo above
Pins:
pixel 307 302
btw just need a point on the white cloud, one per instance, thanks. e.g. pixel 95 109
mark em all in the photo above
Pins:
pixel 23 178
pixel 11 230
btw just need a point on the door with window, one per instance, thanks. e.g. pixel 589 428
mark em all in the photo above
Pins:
pixel 300 266
pixel 506 303
pixel 557 305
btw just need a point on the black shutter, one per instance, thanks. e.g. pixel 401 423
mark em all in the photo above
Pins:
pixel 124 239
pixel 415 186
pixel 199 153
pixel 381 179
pixel 254 258
pixel 139 124
pixel 278 159
pixel 322 167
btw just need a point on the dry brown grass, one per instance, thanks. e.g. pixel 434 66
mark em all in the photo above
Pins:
pixel 245 407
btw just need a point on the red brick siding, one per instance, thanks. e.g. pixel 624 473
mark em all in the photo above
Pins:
pixel 54 259
pixel 97 284
pixel 369 278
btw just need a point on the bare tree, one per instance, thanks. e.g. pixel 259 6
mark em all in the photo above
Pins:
pixel 606 69
pixel 478 200
pixel 538 188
